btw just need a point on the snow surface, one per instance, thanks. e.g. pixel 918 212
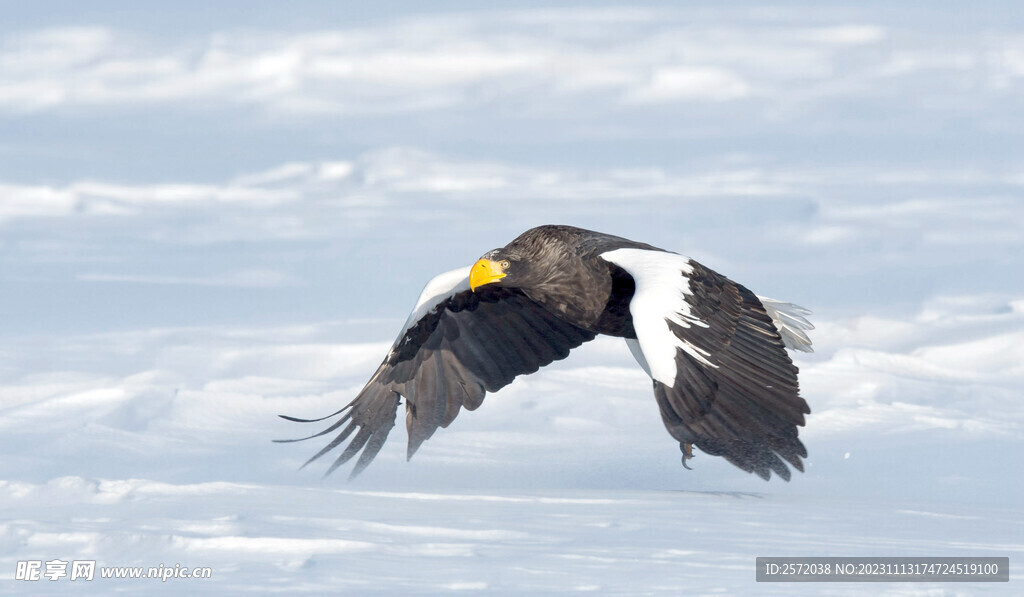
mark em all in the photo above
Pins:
pixel 206 224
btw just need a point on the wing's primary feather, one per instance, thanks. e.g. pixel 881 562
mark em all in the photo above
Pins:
pixel 456 346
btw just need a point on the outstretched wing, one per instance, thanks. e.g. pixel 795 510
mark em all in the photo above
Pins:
pixel 722 377
pixel 456 346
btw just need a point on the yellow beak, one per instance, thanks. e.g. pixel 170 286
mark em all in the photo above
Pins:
pixel 483 272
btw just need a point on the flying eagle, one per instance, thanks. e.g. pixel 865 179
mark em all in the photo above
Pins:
pixel 715 352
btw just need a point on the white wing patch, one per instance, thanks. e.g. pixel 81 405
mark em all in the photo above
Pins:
pixel 437 290
pixel 789 320
pixel 662 286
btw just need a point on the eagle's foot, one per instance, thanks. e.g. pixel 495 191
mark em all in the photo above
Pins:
pixel 687 454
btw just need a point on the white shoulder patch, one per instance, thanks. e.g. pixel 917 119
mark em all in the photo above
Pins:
pixel 790 322
pixel 437 289
pixel 662 285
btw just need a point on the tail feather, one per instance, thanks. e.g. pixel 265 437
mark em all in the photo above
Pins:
pixel 789 320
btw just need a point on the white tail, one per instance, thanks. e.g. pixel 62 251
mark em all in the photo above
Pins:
pixel 790 321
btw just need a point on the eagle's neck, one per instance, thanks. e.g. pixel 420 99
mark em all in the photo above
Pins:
pixel 581 292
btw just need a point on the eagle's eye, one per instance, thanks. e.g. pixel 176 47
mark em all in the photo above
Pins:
pixel 504 264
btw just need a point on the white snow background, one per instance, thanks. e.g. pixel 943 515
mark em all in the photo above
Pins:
pixel 210 216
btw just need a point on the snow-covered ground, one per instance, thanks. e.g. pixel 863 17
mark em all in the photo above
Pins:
pixel 205 225
pixel 153 447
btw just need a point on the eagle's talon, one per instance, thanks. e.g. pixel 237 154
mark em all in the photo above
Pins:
pixel 687 454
